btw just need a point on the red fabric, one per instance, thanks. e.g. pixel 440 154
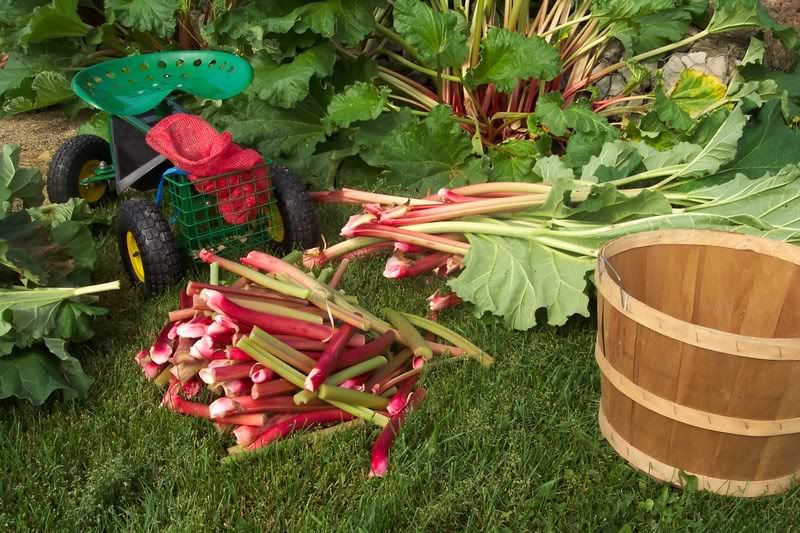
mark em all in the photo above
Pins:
pixel 194 145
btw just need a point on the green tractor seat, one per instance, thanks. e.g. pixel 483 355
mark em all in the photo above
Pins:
pixel 135 84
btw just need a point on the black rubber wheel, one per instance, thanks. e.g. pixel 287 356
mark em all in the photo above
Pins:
pixel 79 155
pixel 297 212
pixel 158 263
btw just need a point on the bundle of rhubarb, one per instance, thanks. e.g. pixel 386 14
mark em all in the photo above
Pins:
pixel 512 248
pixel 281 350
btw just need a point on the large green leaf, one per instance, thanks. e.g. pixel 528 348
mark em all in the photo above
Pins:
pixel 773 199
pixel 58 19
pixel 513 160
pixel 514 278
pixel 274 131
pixel 34 374
pixel 578 117
pixel 360 101
pixel 429 154
pixel 287 84
pixel 322 167
pixel 153 16
pixel 616 160
pixel 670 113
pixel 508 57
pixel 719 151
pixel 23 183
pixel 439 38
pixel 766 146
pixel 347 21
pixel 696 92
pixel 606 205
pixel 582 146
pixel 652 31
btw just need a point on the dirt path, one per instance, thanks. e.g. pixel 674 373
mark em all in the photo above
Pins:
pixel 39 134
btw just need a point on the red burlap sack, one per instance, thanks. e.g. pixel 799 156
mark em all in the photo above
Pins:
pixel 193 145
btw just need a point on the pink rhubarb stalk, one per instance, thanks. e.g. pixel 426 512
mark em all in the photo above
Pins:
pixel 225 373
pixel 402 268
pixel 268 389
pixel 400 398
pixel 223 407
pixel 375 347
pixel 380 450
pixel 438 302
pixel 259 373
pixel 235 354
pixel 269 323
pixel 237 387
pixel 195 328
pixel 251 419
pixel 327 363
pixel 248 433
pixel 185 407
pixel 339 274
pixel 299 343
pixel 301 421
pixel 389 233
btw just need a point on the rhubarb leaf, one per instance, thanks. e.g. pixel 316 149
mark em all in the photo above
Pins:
pixel 58 19
pixel 766 146
pixel 606 205
pixel 428 155
pixel 617 160
pixel 360 101
pixel 513 160
pixel 24 184
pixel 720 150
pixel 696 92
pixel 507 57
pixel 439 38
pixel 773 199
pixel 34 374
pixel 514 278
pixel 582 146
pixel 578 117
pixel 274 131
pixel 346 21
pixel 286 85
pixel 670 113
pixel 679 154
pixel 154 16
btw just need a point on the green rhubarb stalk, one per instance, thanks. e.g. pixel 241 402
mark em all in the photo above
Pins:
pixel 304 396
pixel 255 276
pixel 293 257
pixel 277 310
pixel 451 336
pixel 325 275
pixel 281 350
pixel 162 380
pixel 362 412
pixel 351 397
pixel 411 337
pixel 394 363
pixel 388 393
pixel 213 273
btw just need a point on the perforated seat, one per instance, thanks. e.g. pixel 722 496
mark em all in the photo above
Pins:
pixel 136 84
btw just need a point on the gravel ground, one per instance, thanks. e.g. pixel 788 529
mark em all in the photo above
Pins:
pixel 39 134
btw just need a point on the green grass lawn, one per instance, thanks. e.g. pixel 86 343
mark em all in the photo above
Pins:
pixel 515 446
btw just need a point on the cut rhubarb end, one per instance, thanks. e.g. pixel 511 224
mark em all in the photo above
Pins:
pixel 379 467
pixel 355 221
pixel 222 407
pixel 195 328
pixel 396 268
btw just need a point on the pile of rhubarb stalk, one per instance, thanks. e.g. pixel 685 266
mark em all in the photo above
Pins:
pixel 280 350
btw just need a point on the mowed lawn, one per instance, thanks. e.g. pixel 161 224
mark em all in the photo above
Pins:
pixel 512 447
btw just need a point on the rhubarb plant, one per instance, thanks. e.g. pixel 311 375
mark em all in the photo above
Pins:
pixel 44 252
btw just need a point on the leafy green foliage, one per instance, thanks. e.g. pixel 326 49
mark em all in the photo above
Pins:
pixel 578 117
pixel 33 374
pixel 428 155
pixel 507 57
pixel 670 113
pixel 439 39
pixel 287 84
pixel 155 16
pixel 360 101
pixel 15 182
pixel 59 18
pixel 696 92
pixel 513 278
pixel 514 159
pixel 767 145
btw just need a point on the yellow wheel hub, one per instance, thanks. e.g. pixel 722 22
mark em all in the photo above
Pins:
pixel 135 256
pixel 276 230
pixel 91 192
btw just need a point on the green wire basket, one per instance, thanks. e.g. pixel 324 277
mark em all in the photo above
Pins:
pixel 199 223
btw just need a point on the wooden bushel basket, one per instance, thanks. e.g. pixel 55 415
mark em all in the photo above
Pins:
pixel 698 346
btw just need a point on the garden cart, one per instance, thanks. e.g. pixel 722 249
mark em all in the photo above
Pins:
pixel 138 92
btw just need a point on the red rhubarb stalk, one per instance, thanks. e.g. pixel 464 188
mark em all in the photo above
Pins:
pixel 246 434
pixel 195 328
pixel 400 398
pixel 259 373
pixel 223 407
pixel 270 323
pixel 250 419
pixel 299 343
pixel 236 387
pixel 438 302
pixel 272 388
pixel 235 354
pixel 301 421
pixel 249 293
pixel 184 407
pixel 380 450
pixel 339 274
pixel 371 349
pixel 397 268
pixel 433 242
pixel 327 363
pixel 225 373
